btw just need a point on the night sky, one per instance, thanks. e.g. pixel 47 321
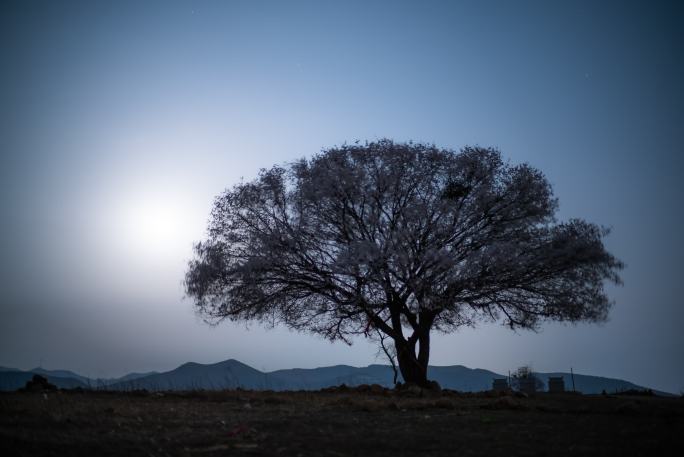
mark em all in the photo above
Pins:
pixel 119 123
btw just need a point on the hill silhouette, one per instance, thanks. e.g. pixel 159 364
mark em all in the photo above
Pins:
pixel 231 374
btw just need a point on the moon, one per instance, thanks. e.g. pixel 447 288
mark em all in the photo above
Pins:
pixel 155 227
pixel 154 222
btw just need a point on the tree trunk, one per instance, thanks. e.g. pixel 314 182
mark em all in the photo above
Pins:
pixel 413 369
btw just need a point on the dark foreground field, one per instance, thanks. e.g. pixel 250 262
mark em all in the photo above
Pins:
pixel 344 423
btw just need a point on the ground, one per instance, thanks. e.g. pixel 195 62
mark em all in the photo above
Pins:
pixel 374 422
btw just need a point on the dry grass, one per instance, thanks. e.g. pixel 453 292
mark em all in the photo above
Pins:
pixel 336 424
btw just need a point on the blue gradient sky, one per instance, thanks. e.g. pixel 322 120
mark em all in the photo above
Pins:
pixel 118 119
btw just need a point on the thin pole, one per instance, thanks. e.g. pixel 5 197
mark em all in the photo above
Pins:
pixel 572 375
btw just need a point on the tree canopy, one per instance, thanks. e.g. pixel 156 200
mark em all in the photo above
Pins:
pixel 399 238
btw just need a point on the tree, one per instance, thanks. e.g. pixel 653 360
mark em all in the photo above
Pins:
pixel 526 380
pixel 400 239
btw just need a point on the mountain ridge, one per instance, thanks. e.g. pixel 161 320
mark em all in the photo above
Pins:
pixel 232 374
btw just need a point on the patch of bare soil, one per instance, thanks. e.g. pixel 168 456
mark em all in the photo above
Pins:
pixel 337 422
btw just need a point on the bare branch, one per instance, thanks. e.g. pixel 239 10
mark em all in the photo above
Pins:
pixel 392 237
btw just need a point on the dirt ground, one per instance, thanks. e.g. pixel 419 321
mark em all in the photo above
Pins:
pixel 338 423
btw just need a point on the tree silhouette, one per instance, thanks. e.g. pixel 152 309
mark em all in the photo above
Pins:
pixel 402 239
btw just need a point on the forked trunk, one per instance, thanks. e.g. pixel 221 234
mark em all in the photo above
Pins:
pixel 414 368
pixel 411 369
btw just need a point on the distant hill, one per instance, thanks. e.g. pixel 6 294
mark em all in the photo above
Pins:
pixel 228 374
pixel 462 378
pixel 131 377
pixel 307 379
pixel 13 380
pixel 593 384
pixel 61 374
pixel 455 377
pixel 231 374
pixel 104 383
pixel 319 378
